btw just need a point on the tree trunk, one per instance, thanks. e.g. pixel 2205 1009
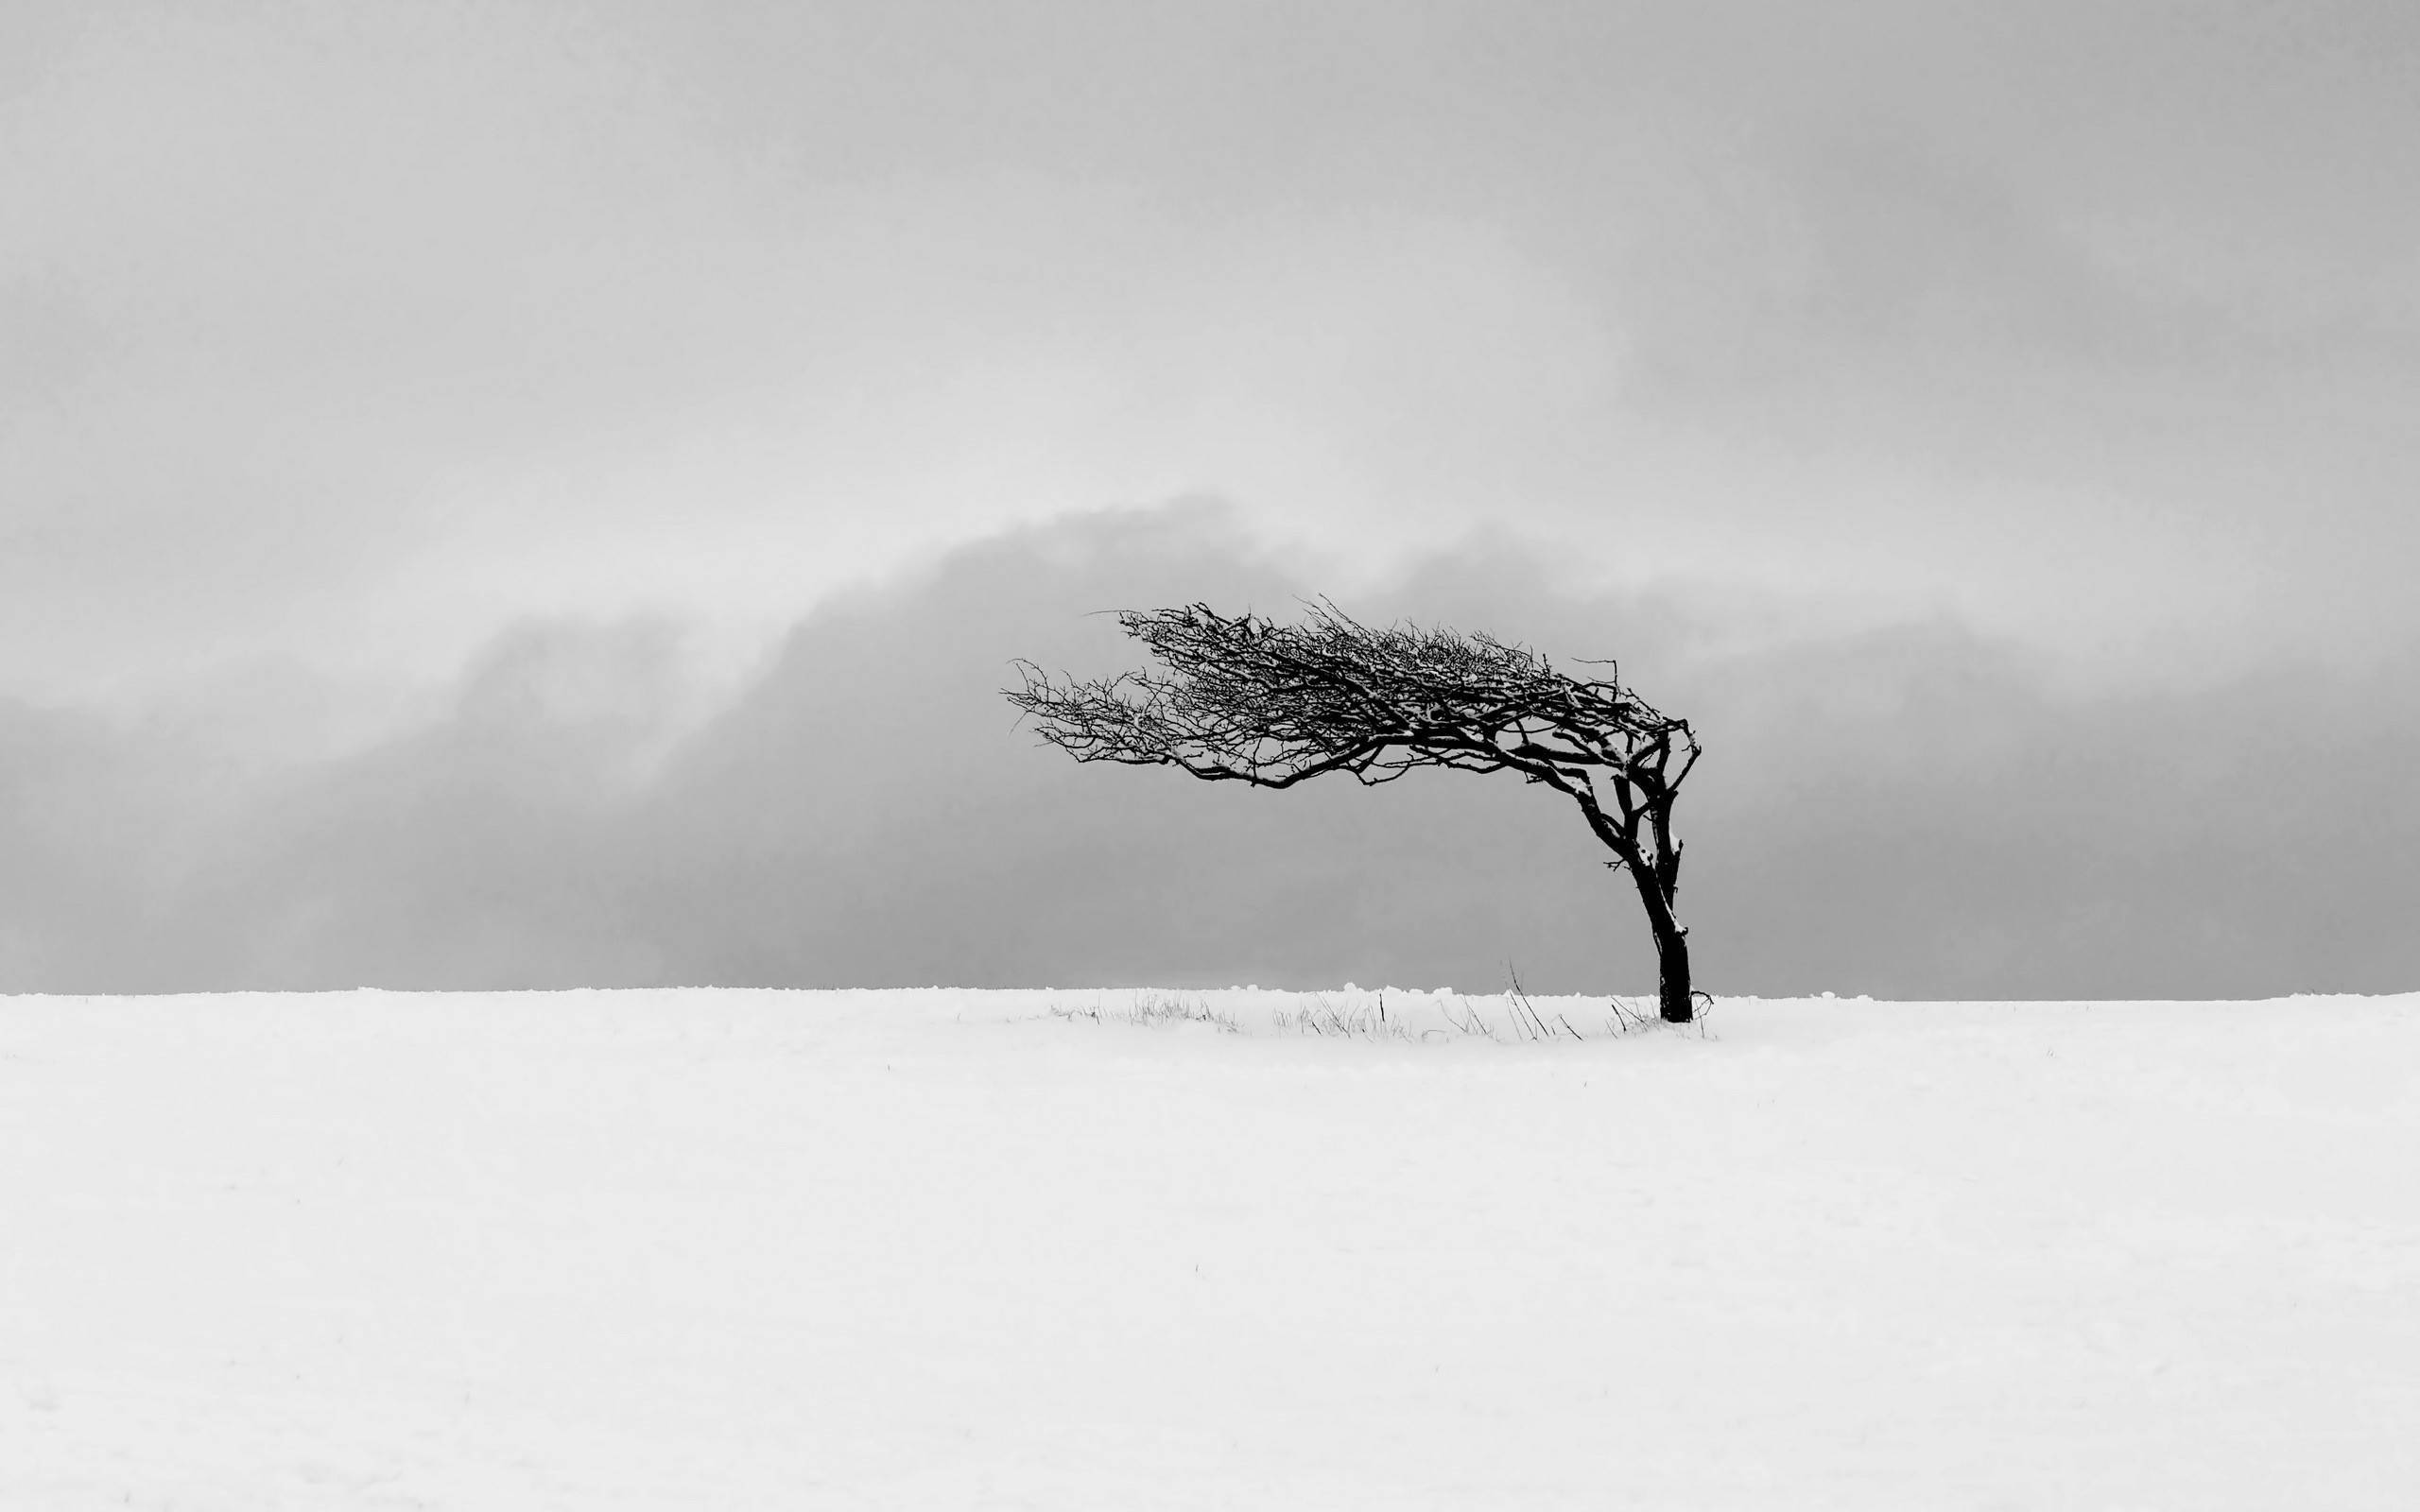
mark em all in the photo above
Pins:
pixel 1673 993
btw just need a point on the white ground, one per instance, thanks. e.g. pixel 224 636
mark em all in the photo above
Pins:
pixel 740 1251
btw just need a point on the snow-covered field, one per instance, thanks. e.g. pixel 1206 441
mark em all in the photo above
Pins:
pixel 721 1249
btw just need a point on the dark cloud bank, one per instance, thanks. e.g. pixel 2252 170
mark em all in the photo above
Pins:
pixel 1910 813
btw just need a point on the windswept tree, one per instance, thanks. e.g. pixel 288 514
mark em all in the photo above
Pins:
pixel 1246 700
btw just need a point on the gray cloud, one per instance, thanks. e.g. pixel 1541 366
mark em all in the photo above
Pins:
pixel 1915 811
pixel 355 334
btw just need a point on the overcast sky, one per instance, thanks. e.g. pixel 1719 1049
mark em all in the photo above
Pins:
pixel 491 400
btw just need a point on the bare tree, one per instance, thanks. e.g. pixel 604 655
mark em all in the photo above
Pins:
pixel 1246 700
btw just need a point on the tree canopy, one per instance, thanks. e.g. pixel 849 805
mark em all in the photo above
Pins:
pixel 1244 699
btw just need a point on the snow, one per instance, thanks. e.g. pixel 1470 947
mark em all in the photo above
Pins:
pixel 725 1249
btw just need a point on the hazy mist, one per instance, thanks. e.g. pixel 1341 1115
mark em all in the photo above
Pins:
pixel 1914 810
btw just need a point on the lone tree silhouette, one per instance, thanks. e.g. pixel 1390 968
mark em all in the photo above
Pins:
pixel 1246 700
